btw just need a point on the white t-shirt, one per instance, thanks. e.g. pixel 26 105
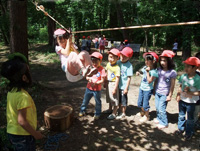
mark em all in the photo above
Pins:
pixel 63 58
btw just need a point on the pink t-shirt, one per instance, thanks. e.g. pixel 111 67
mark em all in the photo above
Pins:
pixel 101 73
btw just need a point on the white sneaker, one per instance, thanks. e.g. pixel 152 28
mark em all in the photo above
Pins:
pixel 140 114
pixel 144 119
pixel 159 126
pixel 156 121
pixel 122 115
pixel 111 117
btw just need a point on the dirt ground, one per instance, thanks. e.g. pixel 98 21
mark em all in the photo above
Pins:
pixel 104 135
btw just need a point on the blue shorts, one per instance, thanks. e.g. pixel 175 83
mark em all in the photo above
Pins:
pixel 123 99
pixel 22 142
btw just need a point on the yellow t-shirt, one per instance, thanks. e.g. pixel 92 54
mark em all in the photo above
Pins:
pixel 17 100
pixel 112 72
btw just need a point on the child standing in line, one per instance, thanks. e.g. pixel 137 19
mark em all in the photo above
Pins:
pixel 83 44
pixel 76 65
pixel 164 87
pixel 21 111
pixel 102 45
pixel 113 75
pixel 126 71
pixel 94 86
pixel 187 96
pixel 146 87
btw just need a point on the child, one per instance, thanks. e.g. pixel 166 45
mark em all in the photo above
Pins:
pixel 83 44
pixel 94 86
pixel 187 96
pixel 146 87
pixel 113 74
pixel 89 41
pixel 76 65
pixel 102 44
pixel 21 111
pixel 164 87
pixel 126 71
pixel 175 46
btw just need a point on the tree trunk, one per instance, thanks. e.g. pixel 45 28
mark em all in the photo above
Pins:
pixel 121 19
pixel 18 26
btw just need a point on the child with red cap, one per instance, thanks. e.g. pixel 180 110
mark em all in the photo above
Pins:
pixel 76 65
pixel 164 87
pixel 112 90
pixel 94 86
pixel 149 75
pixel 83 44
pixel 126 72
pixel 102 44
pixel 187 96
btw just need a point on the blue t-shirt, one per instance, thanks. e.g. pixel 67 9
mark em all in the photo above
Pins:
pixel 145 85
pixel 126 70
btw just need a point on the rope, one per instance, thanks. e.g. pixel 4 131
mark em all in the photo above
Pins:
pixel 143 26
pixel 41 8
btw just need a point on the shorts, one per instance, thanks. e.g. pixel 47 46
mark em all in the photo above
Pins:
pixel 110 98
pixel 102 47
pixel 123 98
pixel 22 142
pixel 69 76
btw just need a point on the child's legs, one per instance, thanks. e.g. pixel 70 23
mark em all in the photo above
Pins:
pixel 162 110
pixel 84 58
pixel 88 95
pixel 157 101
pixel 124 101
pixel 181 116
pixel 190 108
pixel 22 143
pixel 73 64
pixel 140 98
pixel 97 97
pixel 147 96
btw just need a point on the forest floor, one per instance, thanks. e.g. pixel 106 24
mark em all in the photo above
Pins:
pixel 85 133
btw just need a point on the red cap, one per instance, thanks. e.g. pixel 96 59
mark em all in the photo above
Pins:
pixel 115 52
pixel 83 37
pixel 167 53
pixel 127 51
pixel 125 40
pixel 153 54
pixel 88 36
pixel 97 55
pixel 59 31
pixel 192 61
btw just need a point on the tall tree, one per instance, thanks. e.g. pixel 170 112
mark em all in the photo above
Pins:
pixel 18 26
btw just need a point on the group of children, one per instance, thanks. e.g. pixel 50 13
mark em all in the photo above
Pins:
pixel 21 110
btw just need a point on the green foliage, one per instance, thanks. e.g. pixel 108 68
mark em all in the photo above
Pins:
pixel 179 64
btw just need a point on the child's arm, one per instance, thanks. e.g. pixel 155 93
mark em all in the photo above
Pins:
pixel 24 123
pixel 149 78
pixel 127 85
pixel 116 85
pixel 169 97
pixel 195 93
pixel 178 96
pixel 74 49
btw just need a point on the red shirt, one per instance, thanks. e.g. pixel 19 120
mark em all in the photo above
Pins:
pixel 101 74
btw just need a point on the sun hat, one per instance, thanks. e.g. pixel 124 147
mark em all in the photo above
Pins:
pixel 167 53
pixel 97 55
pixel 59 32
pixel 127 51
pixel 153 54
pixel 192 61
pixel 115 52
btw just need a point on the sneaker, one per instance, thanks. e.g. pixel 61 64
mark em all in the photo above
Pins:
pixel 140 114
pixel 96 117
pixel 107 111
pixel 92 72
pixel 144 119
pixel 122 115
pixel 156 121
pixel 159 126
pixel 81 114
pixel 178 133
pixel 188 137
pixel 111 117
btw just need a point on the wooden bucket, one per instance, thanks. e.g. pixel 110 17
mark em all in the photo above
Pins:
pixel 58 117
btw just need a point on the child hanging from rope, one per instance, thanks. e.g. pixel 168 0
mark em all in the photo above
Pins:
pixel 76 65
